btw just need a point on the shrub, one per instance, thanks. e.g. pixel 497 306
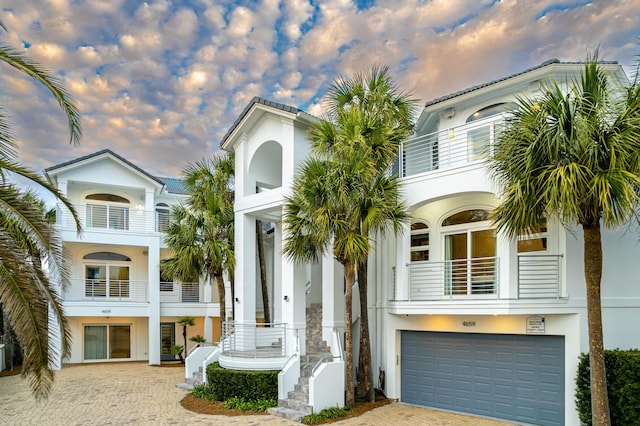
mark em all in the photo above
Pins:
pixel 256 405
pixel 623 386
pixel 203 392
pixel 247 385
pixel 328 413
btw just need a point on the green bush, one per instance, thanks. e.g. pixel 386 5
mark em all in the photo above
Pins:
pixel 202 391
pixel 247 385
pixel 623 386
pixel 256 405
pixel 328 413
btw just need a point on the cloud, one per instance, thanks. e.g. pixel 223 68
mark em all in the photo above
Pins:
pixel 161 81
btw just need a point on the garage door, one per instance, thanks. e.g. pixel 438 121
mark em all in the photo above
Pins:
pixel 512 377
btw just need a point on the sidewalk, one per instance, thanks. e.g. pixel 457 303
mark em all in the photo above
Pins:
pixel 136 393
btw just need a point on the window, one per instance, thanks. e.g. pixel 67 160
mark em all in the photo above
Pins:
pixel 106 275
pixel 479 138
pixel 107 342
pixel 419 242
pixel 470 253
pixel 103 212
pixel 162 217
pixel 533 242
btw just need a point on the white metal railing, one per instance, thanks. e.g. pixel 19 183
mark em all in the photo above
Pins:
pixel 449 148
pixel 450 279
pixel 253 340
pixel 111 218
pixel 539 276
pixel 182 292
pixel 106 290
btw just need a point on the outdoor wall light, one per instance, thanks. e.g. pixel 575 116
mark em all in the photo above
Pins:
pixel 237 300
pixel 286 298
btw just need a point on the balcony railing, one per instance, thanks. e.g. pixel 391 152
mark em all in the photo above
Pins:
pixel 253 340
pixel 539 277
pixel 183 293
pixel 466 278
pixel 449 148
pixel 111 218
pixel 100 290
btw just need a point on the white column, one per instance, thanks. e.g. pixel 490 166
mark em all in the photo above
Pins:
pixel 278 297
pixel 208 329
pixel 149 211
pixel 403 243
pixel 245 273
pixel 507 252
pixel 333 304
pixel 153 253
pixel 293 280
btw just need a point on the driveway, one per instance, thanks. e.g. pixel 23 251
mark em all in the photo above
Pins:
pixel 136 393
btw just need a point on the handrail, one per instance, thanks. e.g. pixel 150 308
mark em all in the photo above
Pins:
pixel 201 345
pixel 317 364
pixel 286 363
pixel 335 331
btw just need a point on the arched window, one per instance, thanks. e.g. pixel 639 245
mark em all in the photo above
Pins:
pixel 470 253
pixel 479 136
pixel 106 275
pixel 419 242
pixel 162 217
pixel 107 211
pixel 491 110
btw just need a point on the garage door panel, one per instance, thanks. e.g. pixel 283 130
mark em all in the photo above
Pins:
pixel 513 377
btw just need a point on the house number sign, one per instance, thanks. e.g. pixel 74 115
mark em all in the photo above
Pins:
pixel 468 323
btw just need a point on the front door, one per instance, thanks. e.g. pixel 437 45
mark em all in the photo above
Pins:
pixel 167 339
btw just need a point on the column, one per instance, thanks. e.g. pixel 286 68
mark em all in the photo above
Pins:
pixel 333 303
pixel 293 280
pixel 245 272
pixel 154 299
pixel 402 281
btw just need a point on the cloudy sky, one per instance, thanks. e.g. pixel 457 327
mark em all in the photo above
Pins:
pixel 161 81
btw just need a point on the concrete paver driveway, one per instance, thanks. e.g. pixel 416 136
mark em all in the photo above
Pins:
pixel 136 393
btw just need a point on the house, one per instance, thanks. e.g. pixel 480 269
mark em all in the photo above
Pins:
pixel 118 305
pixel 462 318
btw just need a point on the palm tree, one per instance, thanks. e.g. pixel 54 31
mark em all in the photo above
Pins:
pixel 386 117
pixel 574 156
pixel 27 241
pixel 184 322
pixel 325 212
pixel 200 234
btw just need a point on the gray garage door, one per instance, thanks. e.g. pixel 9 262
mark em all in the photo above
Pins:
pixel 510 377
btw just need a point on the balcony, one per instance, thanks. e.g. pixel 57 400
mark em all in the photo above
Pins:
pixel 477 279
pixel 449 148
pixel 251 340
pixel 183 293
pixel 101 290
pixel 111 218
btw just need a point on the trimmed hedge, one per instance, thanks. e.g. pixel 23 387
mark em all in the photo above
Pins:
pixel 623 386
pixel 244 384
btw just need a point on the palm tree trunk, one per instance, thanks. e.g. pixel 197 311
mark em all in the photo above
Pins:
pixel 221 297
pixel 349 274
pixel 263 273
pixel 593 275
pixel 365 372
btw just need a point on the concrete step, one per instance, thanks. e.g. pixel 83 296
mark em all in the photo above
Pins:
pixel 185 387
pixel 293 404
pixel 287 413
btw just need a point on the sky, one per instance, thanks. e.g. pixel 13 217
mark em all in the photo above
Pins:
pixel 160 82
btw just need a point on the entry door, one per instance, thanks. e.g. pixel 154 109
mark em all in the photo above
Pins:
pixel 471 262
pixel 167 339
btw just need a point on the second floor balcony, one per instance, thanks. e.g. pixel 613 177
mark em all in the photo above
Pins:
pixel 538 277
pixel 446 149
pixel 128 291
pixel 113 218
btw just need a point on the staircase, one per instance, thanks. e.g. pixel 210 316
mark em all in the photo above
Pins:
pixel 189 383
pixel 296 406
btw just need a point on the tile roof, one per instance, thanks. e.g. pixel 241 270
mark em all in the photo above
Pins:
pixel 480 86
pixel 174 186
pixel 262 101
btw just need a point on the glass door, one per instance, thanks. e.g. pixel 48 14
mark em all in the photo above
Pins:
pixel 167 339
pixel 470 266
